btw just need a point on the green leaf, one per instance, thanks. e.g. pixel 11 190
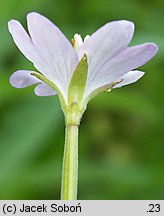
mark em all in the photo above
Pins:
pixel 78 82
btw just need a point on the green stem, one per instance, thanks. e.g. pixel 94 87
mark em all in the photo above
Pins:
pixel 70 164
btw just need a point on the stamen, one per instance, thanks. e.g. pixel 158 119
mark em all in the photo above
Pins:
pixel 73 42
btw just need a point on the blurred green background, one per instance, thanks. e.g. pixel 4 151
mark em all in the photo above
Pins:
pixel 121 142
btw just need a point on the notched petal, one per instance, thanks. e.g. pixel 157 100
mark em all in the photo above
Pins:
pixel 57 54
pixel 22 39
pixel 125 61
pixel 47 48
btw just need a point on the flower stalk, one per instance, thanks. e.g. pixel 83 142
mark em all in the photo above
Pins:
pixel 69 181
pixel 70 164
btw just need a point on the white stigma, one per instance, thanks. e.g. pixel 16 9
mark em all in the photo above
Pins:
pixel 77 41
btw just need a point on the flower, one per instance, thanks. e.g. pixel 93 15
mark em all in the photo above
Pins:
pixel 110 62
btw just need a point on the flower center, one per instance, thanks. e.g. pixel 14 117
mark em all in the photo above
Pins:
pixel 77 41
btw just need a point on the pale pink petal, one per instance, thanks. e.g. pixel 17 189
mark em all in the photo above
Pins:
pixel 55 49
pixel 26 46
pixel 44 90
pixel 48 49
pixel 125 61
pixel 129 78
pixel 105 43
pixel 22 40
pixel 22 79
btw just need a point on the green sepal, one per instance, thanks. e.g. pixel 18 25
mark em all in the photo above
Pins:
pixel 52 85
pixel 106 88
pixel 78 82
